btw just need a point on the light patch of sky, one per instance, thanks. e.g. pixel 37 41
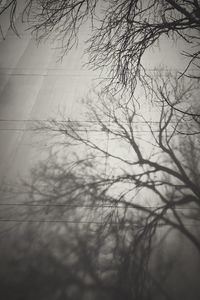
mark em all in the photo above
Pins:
pixel 166 53
pixel 35 84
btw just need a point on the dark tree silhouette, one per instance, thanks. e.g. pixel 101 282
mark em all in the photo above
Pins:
pixel 122 30
pixel 153 173
pixel 120 33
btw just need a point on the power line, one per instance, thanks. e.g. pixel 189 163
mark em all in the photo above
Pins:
pixel 79 121
pixel 50 221
pixel 78 74
pixel 82 123
pixel 76 130
pixel 61 69
pixel 81 222
pixel 45 72
pixel 92 206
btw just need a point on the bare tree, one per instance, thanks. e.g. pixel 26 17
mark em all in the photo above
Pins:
pixel 122 30
pixel 120 34
pixel 153 173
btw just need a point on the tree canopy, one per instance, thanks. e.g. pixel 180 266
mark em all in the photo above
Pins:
pixel 121 31
pixel 143 157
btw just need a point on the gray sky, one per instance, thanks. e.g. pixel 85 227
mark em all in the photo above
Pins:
pixel 34 84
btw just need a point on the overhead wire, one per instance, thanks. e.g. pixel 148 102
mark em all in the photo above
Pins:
pixel 77 121
pixel 90 206
pixel 105 223
pixel 81 122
